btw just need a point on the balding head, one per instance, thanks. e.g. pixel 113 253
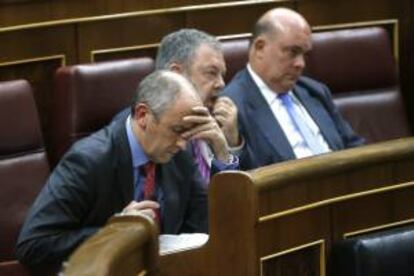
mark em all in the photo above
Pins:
pixel 163 99
pixel 160 90
pixel 279 20
pixel 280 39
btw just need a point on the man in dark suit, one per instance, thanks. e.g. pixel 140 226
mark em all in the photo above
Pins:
pixel 103 174
pixel 283 115
pixel 198 56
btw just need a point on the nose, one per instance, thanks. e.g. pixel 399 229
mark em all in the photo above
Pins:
pixel 300 61
pixel 220 82
pixel 182 143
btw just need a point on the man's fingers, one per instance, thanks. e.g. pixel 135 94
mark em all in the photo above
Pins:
pixel 195 119
pixel 225 100
pixel 148 212
pixel 201 110
pixel 220 119
pixel 221 111
pixel 145 204
pixel 211 125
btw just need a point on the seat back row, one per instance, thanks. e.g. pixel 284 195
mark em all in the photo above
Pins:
pixel 24 167
pixel 357 64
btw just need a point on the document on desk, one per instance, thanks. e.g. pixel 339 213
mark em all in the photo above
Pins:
pixel 174 243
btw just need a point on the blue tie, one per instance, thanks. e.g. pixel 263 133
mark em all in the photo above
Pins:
pixel 300 125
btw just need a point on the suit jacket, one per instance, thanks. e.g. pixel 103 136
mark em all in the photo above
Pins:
pixel 265 141
pixel 94 181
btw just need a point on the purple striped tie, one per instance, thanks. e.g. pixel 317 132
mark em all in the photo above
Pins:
pixel 203 167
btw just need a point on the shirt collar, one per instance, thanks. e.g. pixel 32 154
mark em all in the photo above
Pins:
pixel 139 158
pixel 269 95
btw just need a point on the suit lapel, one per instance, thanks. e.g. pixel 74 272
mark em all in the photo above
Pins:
pixel 169 179
pixel 125 177
pixel 260 113
pixel 318 114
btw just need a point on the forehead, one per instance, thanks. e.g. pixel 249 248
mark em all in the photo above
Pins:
pixel 295 37
pixel 206 55
pixel 184 103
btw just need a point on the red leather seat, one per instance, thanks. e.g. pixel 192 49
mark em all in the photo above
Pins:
pixel 87 96
pixel 24 166
pixel 359 68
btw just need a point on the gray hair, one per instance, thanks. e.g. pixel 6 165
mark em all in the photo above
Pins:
pixel 260 28
pixel 159 91
pixel 181 45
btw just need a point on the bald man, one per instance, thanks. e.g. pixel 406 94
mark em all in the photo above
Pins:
pixel 132 165
pixel 283 115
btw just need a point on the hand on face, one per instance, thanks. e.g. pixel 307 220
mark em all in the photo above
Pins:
pixel 225 113
pixel 206 128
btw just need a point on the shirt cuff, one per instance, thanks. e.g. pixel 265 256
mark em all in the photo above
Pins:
pixel 232 164
pixel 237 150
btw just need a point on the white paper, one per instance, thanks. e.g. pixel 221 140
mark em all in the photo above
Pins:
pixel 174 243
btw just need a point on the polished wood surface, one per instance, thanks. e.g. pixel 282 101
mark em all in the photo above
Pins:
pixel 17 12
pixel 283 219
pixel 127 245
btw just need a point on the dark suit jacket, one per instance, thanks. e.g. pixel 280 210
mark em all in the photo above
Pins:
pixel 265 141
pixel 94 181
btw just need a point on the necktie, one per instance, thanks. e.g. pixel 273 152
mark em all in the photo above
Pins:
pixel 149 188
pixel 149 183
pixel 203 167
pixel 300 125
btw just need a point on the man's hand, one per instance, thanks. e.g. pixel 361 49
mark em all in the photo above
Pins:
pixel 225 112
pixel 145 207
pixel 206 128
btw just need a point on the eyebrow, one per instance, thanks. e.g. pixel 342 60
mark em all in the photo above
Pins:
pixel 215 67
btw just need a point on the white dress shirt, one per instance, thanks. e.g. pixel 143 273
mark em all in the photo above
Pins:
pixel 299 146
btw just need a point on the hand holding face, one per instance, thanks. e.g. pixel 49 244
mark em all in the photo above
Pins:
pixel 206 128
pixel 225 112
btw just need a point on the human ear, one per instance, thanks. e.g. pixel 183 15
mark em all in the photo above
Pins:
pixel 176 67
pixel 141 115
pixel 259 46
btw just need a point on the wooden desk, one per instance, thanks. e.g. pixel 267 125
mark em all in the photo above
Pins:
pixel 282 219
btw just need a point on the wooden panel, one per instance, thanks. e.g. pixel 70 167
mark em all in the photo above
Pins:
pixel 149 50
pixel 47 10
pixel 33 43
pixel 322 12
pixel 333 185
pixel 291 231
pixel 229 20
pixel 306 260
pixel 125 32
pixel 361 213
